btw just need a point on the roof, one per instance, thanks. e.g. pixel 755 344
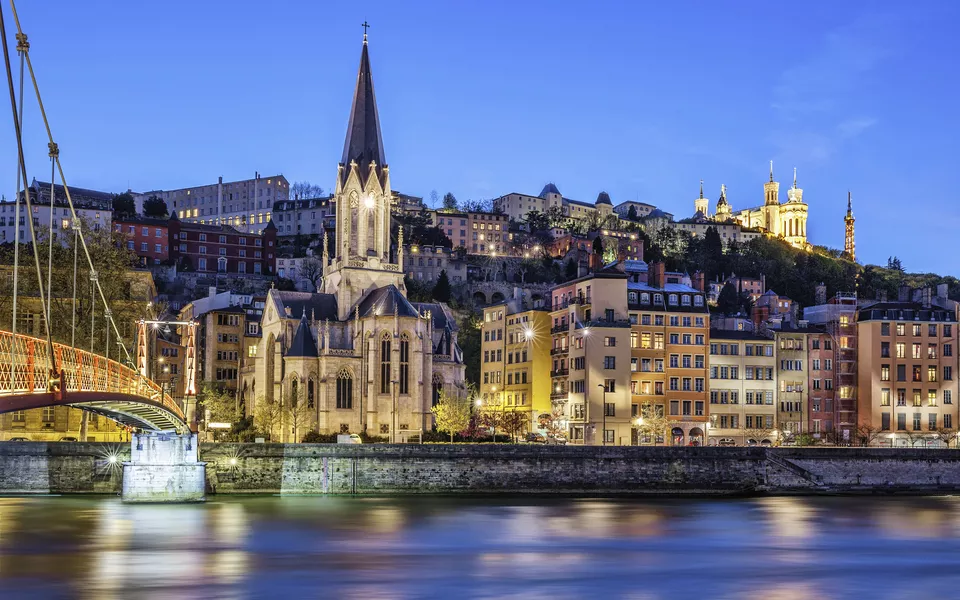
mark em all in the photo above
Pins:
pixel 905 311
pixel 314 306
pixel 440 314
pixel 386 301
pixel 303 344
pixel 363 143
pixel 587 204
pixel 549 189
pixel 604 198
pixel 656 213
pixel 154 222
pixel 635 266
pixel 730 334
pixel 82 198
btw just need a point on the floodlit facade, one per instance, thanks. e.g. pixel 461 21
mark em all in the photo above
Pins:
pixel 743 389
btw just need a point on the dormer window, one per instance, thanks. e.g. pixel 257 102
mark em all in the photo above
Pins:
pixel 698 300
pixel 645 298
pixel 673 299
pixel 685 300
pixel 658 298
pixel 632 297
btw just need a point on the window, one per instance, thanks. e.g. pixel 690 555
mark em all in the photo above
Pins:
pixel 48 414
pixel 609 385
pixel 901 350
pixel 385 344
pixel 609 409
pixel 947 373
pixel 931 373
pixel 884 349
pixel 609 341
pixel 404 364
pixel 885 329
pixel 609 362
pixel 884 373
pixel 916 330
pixel 344 389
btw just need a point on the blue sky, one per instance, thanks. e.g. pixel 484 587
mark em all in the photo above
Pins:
pixel 640 99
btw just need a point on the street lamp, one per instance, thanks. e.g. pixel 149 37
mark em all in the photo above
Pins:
pixel 603 432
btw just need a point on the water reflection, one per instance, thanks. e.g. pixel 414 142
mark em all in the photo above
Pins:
pixel 771 548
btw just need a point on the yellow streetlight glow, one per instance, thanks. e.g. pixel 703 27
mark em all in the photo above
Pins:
pixel 368 201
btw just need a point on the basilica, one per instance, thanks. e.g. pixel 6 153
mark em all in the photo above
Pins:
pixel 787 220
pixel 356 356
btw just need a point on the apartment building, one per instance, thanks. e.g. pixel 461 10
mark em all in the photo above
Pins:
pixel 308 216
pixel 456 225
pixel 838 316
pixel 515 358
pixel 245 205
pixel 424 263
pixel 743 388
pixel 822 384
pixel 793 375
pixel 590 331
pixel 94 210
pixel 148 238
pixel 906 368
pixel 670 326
pixel 222 248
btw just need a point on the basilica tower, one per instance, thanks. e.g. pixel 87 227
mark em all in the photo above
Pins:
pixel 849 246
pixel 701 205
pixel 363 199
pixel 771 205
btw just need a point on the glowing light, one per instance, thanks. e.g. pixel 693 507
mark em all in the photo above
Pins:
pixel 233 461
pixel 536 248
pixel 479 402
pixel 528 334
pixel 586 331
pixel 112 459
pixel 368 201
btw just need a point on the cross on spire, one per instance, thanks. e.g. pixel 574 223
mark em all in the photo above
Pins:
pixel 365 26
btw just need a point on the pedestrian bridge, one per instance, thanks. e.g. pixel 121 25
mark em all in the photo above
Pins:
pixel 82 380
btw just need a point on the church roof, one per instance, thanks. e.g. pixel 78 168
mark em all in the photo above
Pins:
pixel 439 314
pixel 604 198
pixel 384 301
pixel 314 306
pixel 364 142
pixel 303 344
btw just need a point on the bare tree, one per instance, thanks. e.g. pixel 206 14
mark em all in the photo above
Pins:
pixel 867 434
pixel 946 435
pixel 267 415
pixel 305 189
pixel 311 269
pixel 756 433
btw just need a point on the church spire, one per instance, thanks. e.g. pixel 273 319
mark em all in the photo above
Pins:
pixel 363 144
pixel 701 188
pixel 771 170
pixel 794 178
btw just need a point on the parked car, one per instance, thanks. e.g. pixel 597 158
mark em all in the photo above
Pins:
pixel 19 439
pixel 536 438
pixel 556 440
pixel 349 438
pixel 68 439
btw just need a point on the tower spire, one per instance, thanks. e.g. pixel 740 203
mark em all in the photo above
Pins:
pixel 363 144
pixel 701 188
pixel 849 245
pixel 794 178
pixel 771 170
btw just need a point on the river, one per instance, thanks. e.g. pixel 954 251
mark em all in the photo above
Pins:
pixel 774 548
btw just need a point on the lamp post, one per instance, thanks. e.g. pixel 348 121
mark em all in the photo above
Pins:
pixel 603 432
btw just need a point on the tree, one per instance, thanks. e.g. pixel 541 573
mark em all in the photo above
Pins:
pixel 434 199
pixel 304 189
pixel 441 290
pixel 728 302
pixel 452 413
pixel 311 269
pixel 537 221
pixel 156 207
pixel 894 264
pixel 571 269
pixel 477 206
pixel 757 434
pixel 514 423
pixel 267 415
pixel 946 436
pixel 449 202
pixel 124 205
pixel 296 412
pixel 598 247
pixel 217 405
pixel 653 425
pixel 867 434
pixel 632 213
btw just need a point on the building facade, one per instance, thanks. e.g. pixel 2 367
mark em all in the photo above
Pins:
pixel 148 238
pixel 304 216
pixel 221 248
pixel 787 220
pixel 743 388
pixel 245 205
pixel 94 210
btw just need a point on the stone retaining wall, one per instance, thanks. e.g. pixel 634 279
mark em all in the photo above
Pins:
pixel 72 468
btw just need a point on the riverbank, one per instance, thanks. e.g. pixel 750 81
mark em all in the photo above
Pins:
pixel 94 468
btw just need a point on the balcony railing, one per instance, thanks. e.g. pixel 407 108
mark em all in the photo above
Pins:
pixel 582 300
pixel 560 373
pixel 562 304
pixel 563 350
pixel 560 328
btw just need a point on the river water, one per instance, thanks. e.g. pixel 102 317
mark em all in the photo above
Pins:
pixel 502 547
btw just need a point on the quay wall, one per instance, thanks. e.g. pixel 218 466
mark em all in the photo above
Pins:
pixel 78 468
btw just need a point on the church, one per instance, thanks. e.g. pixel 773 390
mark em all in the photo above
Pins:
pixel 787 220
pixel 356 356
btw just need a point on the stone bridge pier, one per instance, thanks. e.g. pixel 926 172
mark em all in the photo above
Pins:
pixel 164 467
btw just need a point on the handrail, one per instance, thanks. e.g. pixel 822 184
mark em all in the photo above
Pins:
pixel 82 372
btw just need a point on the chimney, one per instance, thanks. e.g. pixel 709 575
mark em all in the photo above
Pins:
pixel 903 293
pixel 656 274
pixel 698 278
pixel 763 283
pixel 942 291
pixel 220 200
pixel 820 294
pixel 212 291
pixel 926 294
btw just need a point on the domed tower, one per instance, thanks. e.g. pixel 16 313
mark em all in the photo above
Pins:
pixel 604 205
pixel 552 195
pixel 701 205
pixel 793 216
pixel 724 210
pixel 771 205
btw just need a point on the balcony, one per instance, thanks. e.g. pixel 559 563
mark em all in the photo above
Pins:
pixel 561 395
pixel 560 305
pixel 607 323
pixel 560 328
pixel 582 300
pixel 563 350
pixel 560 373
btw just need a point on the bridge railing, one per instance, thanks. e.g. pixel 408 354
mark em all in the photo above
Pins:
pixel 25 364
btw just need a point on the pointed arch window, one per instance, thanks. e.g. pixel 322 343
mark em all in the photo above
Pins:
pixel 385 347
pixel 344 389
pixel 310 401
pixel 437 388
pixel 404 364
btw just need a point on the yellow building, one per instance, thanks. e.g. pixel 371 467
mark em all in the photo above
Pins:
pixel 515 355
pixel 743 389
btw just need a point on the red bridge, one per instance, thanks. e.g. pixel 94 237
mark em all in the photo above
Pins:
pixel 84 380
